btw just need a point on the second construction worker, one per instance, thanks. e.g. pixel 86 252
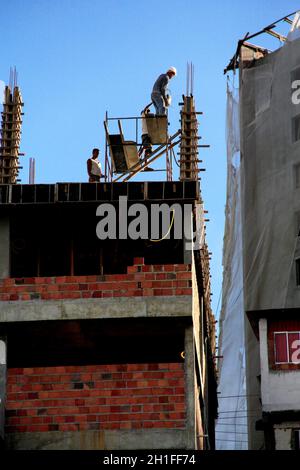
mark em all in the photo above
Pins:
pixel 159 93
pixel 146 140
pixel 94 167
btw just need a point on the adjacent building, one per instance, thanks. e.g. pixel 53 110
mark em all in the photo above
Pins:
pixel 267 286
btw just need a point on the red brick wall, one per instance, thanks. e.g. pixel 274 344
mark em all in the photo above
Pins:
pixel 273 326
pixel 72 398
pixel 140 280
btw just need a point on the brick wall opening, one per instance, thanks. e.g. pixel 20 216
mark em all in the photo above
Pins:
pixel 85 342
pixel 62 241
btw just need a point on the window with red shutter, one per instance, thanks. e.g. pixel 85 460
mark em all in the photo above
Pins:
pixel 287 347
pixel 294 346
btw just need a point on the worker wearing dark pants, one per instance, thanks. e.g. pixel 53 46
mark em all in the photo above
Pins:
pixel 146 146
pixel 158 95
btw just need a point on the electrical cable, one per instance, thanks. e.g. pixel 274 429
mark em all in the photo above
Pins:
pixel 169 229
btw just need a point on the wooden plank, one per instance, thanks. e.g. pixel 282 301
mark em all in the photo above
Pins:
pixel 157 129
pixel 129 148
pixel 116 151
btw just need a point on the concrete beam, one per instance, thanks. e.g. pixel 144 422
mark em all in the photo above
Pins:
pixel 120 307
pixel 99 440
pixel 188 235
pixel 4 248
pixel 189 368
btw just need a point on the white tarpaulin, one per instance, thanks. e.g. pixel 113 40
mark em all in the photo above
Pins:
pixel 231 426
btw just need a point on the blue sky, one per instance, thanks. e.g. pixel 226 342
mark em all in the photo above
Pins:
pixel 77 59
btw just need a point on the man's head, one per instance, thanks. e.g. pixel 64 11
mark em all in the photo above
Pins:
pixel 95 153
pixel 171 72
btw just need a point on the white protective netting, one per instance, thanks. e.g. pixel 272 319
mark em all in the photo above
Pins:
pixel 231 426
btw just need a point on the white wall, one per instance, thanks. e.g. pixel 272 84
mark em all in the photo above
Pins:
pixel 283 438
pixel 279 390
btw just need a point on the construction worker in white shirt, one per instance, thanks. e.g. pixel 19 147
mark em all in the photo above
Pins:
pixel 94 167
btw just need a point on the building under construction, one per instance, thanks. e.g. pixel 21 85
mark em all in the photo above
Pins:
pixel 260 329
pixel 105 343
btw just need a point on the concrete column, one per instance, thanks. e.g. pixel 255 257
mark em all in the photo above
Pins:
pixel 264 361
pixel 2 385
pixel 187 234
pixel 255 438
pixel 4 248
pixel 187 256
pixel 189 350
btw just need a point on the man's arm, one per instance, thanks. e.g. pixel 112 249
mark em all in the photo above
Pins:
pixel 89 167
pixel 163 86
pixel 146 107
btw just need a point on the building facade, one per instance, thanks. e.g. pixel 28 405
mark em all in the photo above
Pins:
pixel 269 121
pixel 105 344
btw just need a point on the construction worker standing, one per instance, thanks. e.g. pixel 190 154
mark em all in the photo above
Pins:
pixel 146 146
pixel 94 167
pixel 158 95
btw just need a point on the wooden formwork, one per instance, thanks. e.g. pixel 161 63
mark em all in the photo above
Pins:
pixel 10 135
pixel 189 140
